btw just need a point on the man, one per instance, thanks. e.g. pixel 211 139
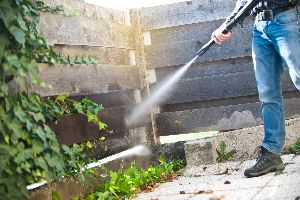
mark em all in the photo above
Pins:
pixel 276 41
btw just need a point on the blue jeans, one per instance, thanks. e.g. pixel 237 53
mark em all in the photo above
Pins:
pixel 275 44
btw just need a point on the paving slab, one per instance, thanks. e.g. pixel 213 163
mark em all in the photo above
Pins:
pixel 296 159
pixel 165 197
pixel 280 192
pixel 241 194
pixel 208 184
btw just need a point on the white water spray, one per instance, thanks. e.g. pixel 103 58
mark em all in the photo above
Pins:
pixel 140 150
pixel 159 94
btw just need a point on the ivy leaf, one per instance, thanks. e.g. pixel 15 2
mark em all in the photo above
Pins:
pixel 3 43
pixel 86 101
pixel 78 59
pixel 89 144
pixel 90 116
pixel 55 147
pixel 78 107
pixel 24 135
pixel 18 34
pixel 70 60
pixel 86 60
pixel 55 196
pixel 50 134
pixel 37 146
pixel 26 166
pixel 93 60
pixel 4 150
pixel 22 23
pixel 102 138
pixel 6 138
pixel 29 125
pixel 20 157
pixel 40 132
pixel 41 163
pixel 16 126
pixel 13 60
pixel 21 81
pixel 53 61
pixel 8 104
pixel 54 161
pixel 66 149
pixel 39 117
pixel 4 89
pixel 62 97
pixel 6 13
pixel 102 125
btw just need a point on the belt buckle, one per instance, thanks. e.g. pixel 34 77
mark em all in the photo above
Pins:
pixel 265 15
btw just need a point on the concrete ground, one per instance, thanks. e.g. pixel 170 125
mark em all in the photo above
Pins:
pixel 227 181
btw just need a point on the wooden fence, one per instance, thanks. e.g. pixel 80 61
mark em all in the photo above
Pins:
pixel 115 83
pixel 219 91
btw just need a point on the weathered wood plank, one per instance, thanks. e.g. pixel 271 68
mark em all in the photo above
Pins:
pixel 89 10
pixel 113 56
pixel 75 128
pixel 212 68
pixel 110 99
pixel 220 102
pixel 217 118
pixel 187 12
pixel 219 87
pixel 120 142
pixel 178 45
pixel 75 30
pixel 87 79
pixel 199 31
pixel 209 103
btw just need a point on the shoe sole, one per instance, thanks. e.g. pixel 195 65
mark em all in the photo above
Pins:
pixel 268 170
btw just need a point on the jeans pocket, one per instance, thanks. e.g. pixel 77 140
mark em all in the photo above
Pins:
pixel 287 17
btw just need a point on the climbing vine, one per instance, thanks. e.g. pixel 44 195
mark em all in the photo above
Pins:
pixel 29 150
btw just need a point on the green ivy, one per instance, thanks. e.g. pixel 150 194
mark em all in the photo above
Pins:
pixel 29 150
pixel 85 107
pixel 50 9
pixel 61 10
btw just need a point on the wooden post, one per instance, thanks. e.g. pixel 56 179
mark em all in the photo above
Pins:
pixel 138 27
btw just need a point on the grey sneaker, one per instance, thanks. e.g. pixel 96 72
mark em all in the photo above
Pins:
pixel 266 162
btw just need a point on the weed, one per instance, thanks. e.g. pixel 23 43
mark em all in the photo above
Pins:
pixel 296 147
pixel 223 155
pixel 278 172
pixel 126 184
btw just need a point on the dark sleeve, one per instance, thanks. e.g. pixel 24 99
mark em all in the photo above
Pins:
pixel 239 5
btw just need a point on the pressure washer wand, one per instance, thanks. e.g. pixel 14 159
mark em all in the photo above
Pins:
pixel 228 26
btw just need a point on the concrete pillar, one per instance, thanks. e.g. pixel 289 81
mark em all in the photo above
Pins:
pixel 201 152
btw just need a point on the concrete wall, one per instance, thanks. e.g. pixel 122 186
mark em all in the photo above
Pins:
pixel 115 83
pixel 219 90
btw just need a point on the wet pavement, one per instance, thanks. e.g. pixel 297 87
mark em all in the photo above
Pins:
pixel 227 181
